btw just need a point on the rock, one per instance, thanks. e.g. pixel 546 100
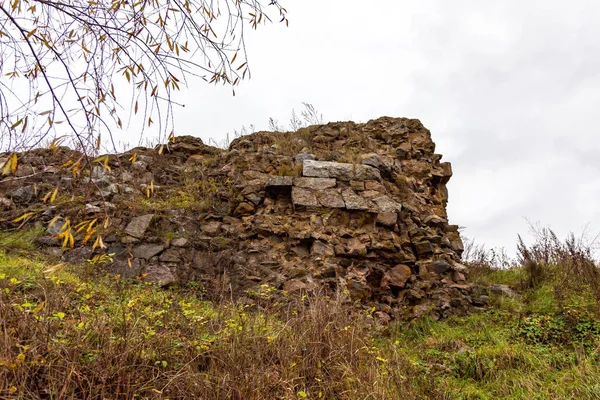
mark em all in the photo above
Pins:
pixel 356 248
pixel 342 171
pixel 77 254
pixel 375 186
pixel 139 166
pixel 460 268
pixel 315 183
pixel 276 182
pixel 330 198
pixel 24 170
pixel 22 195
pixel 386 204
pixel 396 277
pixel 243 208
pixel 387 218
pixel 421 310
pixel 98 172
pixel 304 197
pixel 301 157
pixel 254 198
pixel 296 285
pixel 441 267
pixel 212 228
pixel 56 227
pixel 179 242
pixel 160 274
pixel 434 220
pixel 129 240
pixel 147 251
pixel 126 176
pixel 354 201
pixel 322 249
pixel 503 290
pixel 423 249
pixel 171 256
pixel 357 185
pixel 91 209
pixel 382 163
pixel 381 318
pixel 447 172
pixel 138 226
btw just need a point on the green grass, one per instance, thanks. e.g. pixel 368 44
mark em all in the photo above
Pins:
pixel 77 332
pixel 20 239
pixel 503 354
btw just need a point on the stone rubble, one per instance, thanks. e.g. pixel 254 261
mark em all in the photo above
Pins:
pixel 355 208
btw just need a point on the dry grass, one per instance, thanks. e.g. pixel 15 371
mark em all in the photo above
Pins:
pixel 74 333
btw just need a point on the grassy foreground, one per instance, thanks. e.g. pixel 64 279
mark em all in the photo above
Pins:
pixel 73 332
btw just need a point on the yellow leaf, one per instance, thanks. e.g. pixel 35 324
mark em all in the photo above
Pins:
pixel 53 197
pixel 6 169
pixel 98 243
pixel 88 235
pixel 91 225
pixel 39 307
pixel 13 163
pixel 31 33
pixel 24 217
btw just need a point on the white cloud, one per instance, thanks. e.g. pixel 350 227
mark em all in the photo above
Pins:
pixel 510 91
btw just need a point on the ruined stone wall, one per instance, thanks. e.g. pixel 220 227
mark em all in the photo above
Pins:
pixel 359 209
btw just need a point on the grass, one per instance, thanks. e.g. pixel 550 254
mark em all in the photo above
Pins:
pixel 73 332
pixel 76 332
pixel 20 239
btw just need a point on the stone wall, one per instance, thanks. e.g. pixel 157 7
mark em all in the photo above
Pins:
pixel 359 209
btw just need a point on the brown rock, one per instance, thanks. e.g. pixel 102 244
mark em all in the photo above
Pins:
pixel 447 171
pixel 212 228
pixel 387 218
pixel 322 249
pixel 396 277
pixel 243 209
pixel 356 248
pixel 374 185
pixel 423 248
pixel 330 198
pixel 304 197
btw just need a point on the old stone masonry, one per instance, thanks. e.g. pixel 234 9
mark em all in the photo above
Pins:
pixel 353 209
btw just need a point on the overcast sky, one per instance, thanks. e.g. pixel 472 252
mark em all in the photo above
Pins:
pixel 510 91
